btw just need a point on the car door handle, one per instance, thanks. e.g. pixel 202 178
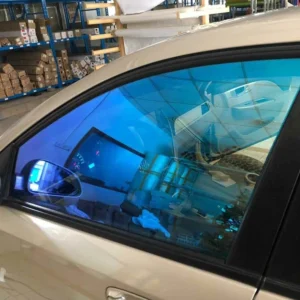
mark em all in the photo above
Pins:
pixel 117 294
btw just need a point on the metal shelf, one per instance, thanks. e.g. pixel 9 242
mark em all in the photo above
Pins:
pixel 69 39
pixel 70 81
pixel 32 92
pixel 25 46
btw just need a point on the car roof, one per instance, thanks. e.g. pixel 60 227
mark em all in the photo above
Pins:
pixel 281 26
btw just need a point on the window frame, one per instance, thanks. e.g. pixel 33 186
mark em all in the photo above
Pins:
pixel 246 262
pixel 284 256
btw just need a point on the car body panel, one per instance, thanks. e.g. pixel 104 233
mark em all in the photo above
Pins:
pixel 46 260
pixel 265 295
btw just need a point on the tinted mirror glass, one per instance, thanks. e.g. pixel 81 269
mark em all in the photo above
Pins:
pixel 48 178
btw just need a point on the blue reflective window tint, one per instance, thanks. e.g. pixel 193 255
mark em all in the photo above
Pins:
pixel 173 157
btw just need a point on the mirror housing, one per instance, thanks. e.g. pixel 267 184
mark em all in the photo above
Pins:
pixel 46 178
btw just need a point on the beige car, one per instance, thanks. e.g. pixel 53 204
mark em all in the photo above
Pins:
pixel 171 173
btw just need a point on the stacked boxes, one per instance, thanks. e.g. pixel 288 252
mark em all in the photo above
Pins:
pixel 66 34
pixel 63 65
pixel 40 67
pixel 15 29
pixel 13 82
pixel 84 65
pixel 22 32
pixel 32 31
pixel 41 29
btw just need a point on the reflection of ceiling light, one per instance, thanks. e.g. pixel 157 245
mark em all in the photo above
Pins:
pixel 34 187
pixel 91 166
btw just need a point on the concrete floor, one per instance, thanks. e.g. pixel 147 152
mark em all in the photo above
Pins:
pixel 12 111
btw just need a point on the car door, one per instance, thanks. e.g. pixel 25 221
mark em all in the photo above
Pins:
pixel 166 183
pixel 282 272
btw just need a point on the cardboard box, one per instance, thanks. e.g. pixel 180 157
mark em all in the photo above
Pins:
pixel 34 85
pixel 19 26
pixel 1 86
pixel 33 39
pixel 48 75
pixel 70 34
pixel 17 90
pixel 54 75
pixel 62 53
pixel 21 73
pixel 16 41
pixel 51 60
pixel 64 34
pixel 67 72
pixel 30 69
pixel 31 63
pixel 27 55
pixel 42 33
pixel 48 82
pixel 27 88
pixel 13 75
pixel 65 60
pixel 54 81
pixel 69 77
pixel 31 24
pixel 5 42
pixel 36 78
pixel 59 60
pixel 79 74
pixel 4 77
pixel 82 63
pixel 77 33
pixel 40 84
pixel 62 73
pixel 49 52
pixel 15 82
pixel 43 37
pixel 56 35
pixel 66 65
pixel 9 91
pixel 53 68
pixel 42 22
pixel 7 68
pixel 2 94
pixel 47 68
pixel 31 32
pixel 42 30
pixel 25 81
pixel 87 60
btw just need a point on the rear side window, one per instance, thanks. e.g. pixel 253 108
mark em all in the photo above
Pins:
pixel 174 157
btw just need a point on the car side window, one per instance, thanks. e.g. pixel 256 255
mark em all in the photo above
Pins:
pixel 173 157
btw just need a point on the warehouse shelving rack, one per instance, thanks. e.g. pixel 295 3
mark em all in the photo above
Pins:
pixel 51 43
pixel 81 8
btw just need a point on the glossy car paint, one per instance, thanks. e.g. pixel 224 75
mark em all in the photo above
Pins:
pixel 45 260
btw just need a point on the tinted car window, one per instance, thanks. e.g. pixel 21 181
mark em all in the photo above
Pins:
pixel 174 157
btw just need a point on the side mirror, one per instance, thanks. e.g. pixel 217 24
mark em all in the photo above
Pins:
pixel 48 178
